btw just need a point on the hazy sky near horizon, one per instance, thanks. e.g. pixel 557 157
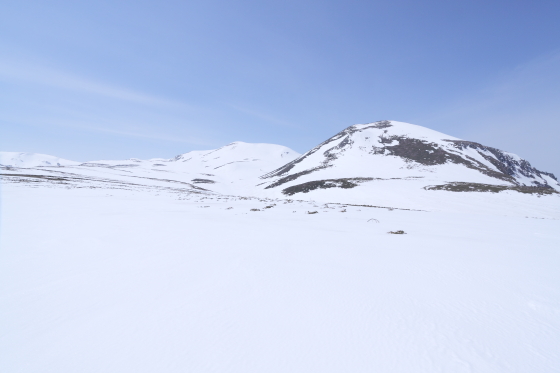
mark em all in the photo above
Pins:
pixel 118 79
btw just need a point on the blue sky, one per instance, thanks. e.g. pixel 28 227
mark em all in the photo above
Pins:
pixel 89 80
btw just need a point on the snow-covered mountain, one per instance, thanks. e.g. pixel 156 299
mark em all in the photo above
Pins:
pixel 15 159
pixel 411 157
pixel 234 168
pixel 381 163
pixel 231 169
pixel 233 161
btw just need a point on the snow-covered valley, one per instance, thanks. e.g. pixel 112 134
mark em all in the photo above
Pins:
pixel 196 264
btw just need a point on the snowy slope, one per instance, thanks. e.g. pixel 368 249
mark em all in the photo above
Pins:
pixel 15 159
pixel 234 168
pixel 390 156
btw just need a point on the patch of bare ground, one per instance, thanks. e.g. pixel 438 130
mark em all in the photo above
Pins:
pixel 478 187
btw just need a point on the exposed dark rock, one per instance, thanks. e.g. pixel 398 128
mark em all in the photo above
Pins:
pixel 423 152
pixel 42 177
pixel 292 177
pixel 551 175
pixel 324 184
pixel 203 181
pixel 507 164
pixel 331 154
pixel 431 154
pixel 478 187
pixel 381 124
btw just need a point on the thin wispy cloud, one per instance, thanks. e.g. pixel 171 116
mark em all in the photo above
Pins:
pixel 120 128
pixel 35 74
pixel 78 103
pixel 141 134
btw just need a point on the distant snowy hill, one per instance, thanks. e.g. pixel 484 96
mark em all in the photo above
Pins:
pixel 404 157
pixel 236 160
pixel 15 159
pixel 234 168
pixel 231 169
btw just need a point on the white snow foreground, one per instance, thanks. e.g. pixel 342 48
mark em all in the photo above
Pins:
pixel 131 266
pixel 142 281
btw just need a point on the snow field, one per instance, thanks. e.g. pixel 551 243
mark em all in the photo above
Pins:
pixel 106 280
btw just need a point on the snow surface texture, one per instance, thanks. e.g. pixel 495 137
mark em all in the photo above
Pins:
pixel 127 266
